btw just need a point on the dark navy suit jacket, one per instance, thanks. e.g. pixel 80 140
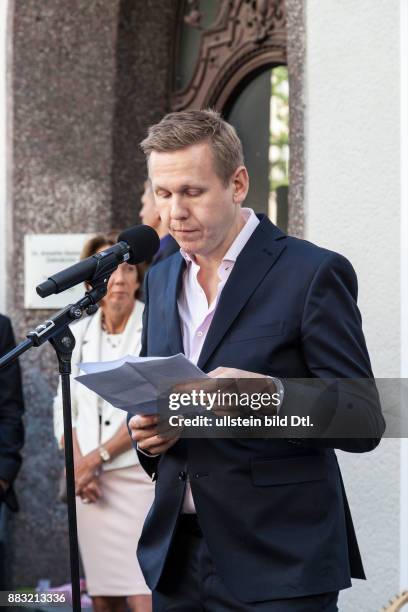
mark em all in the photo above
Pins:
pixel 273 512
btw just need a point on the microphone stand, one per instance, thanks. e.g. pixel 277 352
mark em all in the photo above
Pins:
pixel 56 330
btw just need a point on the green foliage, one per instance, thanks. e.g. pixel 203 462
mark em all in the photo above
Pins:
pixel 279 134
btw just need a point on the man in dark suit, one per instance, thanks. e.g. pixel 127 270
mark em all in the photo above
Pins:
pixel 11 432
pixel 246 524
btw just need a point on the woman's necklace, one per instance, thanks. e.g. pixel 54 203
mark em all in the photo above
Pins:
pixel 113 340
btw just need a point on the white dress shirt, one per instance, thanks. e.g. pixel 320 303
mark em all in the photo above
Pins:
pixel 195 313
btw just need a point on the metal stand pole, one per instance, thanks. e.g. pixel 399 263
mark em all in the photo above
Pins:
pixel 63 344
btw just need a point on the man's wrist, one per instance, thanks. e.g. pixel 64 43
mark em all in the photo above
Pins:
pixel 280 390
pixel 261 384
pixel 146 452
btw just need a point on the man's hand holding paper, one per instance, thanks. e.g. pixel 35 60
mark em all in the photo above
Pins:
pixel 152 437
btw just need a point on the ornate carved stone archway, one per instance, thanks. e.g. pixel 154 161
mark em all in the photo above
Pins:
pixel 246 37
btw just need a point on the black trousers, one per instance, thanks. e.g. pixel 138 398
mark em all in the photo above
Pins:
pixel 190 582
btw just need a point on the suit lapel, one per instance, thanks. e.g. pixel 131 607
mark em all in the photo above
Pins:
pixel 171 294
pixel 90 351
pixel 257 257
pixel 91 341
pixel 130 344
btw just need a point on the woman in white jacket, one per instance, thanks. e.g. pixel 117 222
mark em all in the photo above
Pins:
pixel 113 492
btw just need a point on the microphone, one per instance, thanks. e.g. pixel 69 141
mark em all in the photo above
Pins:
pixel 136 244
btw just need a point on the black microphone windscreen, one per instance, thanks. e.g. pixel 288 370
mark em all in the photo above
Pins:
pixel 143 241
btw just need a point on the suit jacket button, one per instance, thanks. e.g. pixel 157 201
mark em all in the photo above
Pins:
pixel 182 475
pixel 107 422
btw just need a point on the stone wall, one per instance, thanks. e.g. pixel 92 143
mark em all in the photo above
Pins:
pixel 86 78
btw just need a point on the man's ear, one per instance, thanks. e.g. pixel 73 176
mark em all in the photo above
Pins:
pixel 240 181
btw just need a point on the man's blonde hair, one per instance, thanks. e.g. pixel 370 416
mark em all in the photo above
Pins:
pixel 185 128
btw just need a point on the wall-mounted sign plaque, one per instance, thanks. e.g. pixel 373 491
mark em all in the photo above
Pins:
pixel 44 255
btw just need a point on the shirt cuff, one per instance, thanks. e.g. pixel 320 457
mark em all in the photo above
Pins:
pixel 280 389
pixel 146 453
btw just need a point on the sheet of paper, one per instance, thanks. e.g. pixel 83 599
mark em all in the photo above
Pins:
pixel 90 367
pixel 134 384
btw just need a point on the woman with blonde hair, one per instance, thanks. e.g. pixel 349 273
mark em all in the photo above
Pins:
pixel 113 492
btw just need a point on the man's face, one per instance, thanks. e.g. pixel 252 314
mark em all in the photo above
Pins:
pixel 192 201
pixel 148 213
